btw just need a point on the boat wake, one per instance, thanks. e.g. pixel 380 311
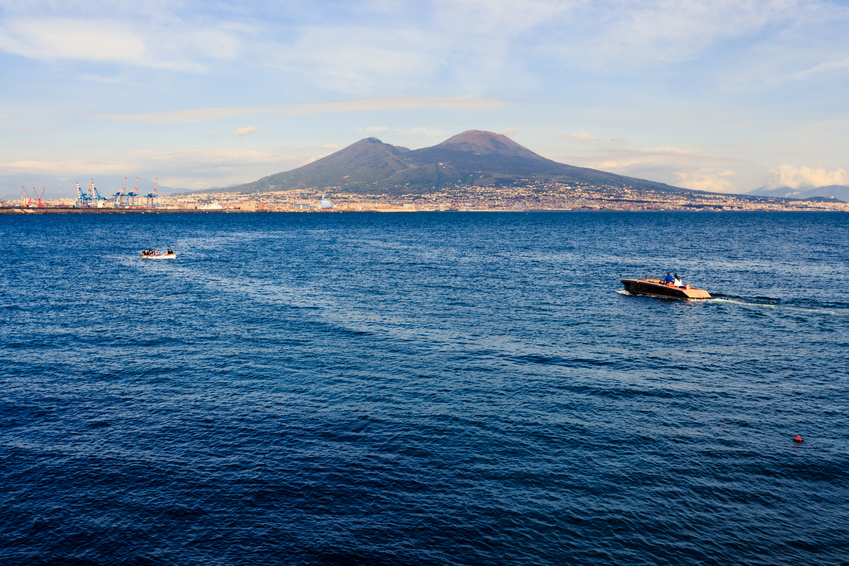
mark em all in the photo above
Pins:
pixel 777 305
pixel 769 304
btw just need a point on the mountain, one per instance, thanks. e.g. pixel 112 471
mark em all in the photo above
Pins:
pixel 838 192
pixel 362 164
pixel 474 157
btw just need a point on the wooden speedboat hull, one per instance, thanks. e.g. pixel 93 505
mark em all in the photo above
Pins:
pixel 657 288
pixel 158 256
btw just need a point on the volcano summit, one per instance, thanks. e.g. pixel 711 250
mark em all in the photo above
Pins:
pixel 473 158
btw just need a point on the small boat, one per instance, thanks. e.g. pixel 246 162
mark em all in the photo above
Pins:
pixel 657 288
pixel 156 254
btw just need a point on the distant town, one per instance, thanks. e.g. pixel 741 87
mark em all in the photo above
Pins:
pixel 533 196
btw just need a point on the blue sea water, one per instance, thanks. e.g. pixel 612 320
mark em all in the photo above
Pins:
pixel 430 388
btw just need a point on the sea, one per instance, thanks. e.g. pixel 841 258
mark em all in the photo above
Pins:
pixel 423 389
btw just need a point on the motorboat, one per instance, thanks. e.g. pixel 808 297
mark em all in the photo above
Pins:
pixel 156 254
pixel 657 288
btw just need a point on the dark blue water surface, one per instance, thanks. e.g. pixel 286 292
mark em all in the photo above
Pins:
pixel 444 388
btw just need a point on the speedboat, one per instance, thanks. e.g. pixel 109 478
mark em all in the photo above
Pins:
pixel 657 288
pixel 158 255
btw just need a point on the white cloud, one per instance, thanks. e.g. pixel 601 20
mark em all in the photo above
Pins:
pixel 360 59
pixel 397 103
pixel 627 157
pixel 367 48
pixel 680 167
pixel 194 115
pixel 174 45
pixel 752 39
pixel 208 167
pixel 91 40
pixel 582 136
pixel 501 17
pixel 706 180
pixel 363 105
pixel 826 67
pixel 805 177
pixel 246 131
pixel 65 167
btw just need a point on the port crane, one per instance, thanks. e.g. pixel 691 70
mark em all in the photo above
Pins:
pixel 153 198
pixel 93 195
pixel 83 199
pixel 131 197
pixel 28 201
pixel 92 190
pixel 121 196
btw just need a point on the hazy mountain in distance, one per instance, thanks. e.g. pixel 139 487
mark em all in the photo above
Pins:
pixel 471 158
pixel 839 192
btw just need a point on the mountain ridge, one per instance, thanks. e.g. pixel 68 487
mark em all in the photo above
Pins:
pixel 839 192
pixel 473 157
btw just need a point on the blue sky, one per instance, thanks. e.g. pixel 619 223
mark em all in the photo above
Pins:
pixel 714 95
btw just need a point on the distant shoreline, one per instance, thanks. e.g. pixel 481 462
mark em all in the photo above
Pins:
pixel 57 210
pixel 50 210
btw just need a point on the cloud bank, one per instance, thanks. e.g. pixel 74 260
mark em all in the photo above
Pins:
pixel 246 131
pixel 805 177
pixel 365 105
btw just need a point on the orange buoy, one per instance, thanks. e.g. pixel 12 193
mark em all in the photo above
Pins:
pixel 798 439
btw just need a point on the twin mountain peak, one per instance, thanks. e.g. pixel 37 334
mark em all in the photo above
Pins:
pixel 472 158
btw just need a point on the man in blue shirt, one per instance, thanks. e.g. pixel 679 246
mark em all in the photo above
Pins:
pixel 669 278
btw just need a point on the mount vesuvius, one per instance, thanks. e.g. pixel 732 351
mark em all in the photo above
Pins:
pixel 475 158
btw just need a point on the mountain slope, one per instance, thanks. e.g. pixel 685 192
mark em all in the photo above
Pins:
pixel 839 192
pixel 364 163
pixel 471 158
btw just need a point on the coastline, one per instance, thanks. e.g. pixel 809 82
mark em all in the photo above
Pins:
pixel 69 210
pixel 58 210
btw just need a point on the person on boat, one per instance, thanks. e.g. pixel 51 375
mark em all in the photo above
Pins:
pixel 170 251
pixel 669 279
pixel 677 281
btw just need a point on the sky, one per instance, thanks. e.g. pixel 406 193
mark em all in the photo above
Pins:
pixel 719 95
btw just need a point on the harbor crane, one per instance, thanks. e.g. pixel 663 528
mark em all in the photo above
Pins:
pixel 37 198
pixel 83 199
pixel 101 200
pixel 153 198
pixel 29 200
pixel 121 196
pixel 131 197
pixel 95 196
